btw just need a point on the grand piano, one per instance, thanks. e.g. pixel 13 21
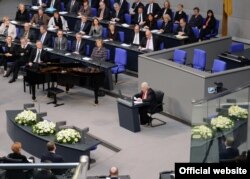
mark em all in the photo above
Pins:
pixel 65 74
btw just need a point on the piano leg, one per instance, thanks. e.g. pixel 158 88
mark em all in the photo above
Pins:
pixel 33 90
pixel 96 95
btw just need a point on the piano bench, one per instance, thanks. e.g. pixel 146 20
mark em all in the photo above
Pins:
pixel 53 92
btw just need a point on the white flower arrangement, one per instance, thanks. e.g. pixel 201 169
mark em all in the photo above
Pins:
pixel 68 136
pixel 26 118
pixel 44 128
pixel 221 122
pixel 239 112
pixel 201 132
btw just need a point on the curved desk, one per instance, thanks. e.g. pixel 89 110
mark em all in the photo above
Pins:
pixel 36 145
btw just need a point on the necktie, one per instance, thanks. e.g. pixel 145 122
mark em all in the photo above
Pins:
pixel 5 33
pixel 60 44
pixel 148 43
pixel 52 3
pixel 77 46
pixel 71 6
pixel 139 19
pixel 38 57
pixel 42 38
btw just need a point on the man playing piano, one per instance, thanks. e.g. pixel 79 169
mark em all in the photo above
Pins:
pixel 38 54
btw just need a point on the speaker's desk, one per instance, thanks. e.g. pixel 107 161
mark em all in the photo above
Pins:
pixel 128 114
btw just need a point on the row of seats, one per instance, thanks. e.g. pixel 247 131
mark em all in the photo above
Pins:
pixel 199 60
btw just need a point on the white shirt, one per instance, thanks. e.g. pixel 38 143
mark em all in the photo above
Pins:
pixel 150 8
pixel 52 3
pixel 39 60
pixel 43 37
pixel 150 44
pixel 40 2
pixel 136 39
pixel 140 18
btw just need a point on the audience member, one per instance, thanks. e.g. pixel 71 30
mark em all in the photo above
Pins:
pixel 112 33
pixel 140 17
pixel 185 30
pixel 229 152
pixel 134 8
pixel 209 25
pixel 8 29
pixel 22 14
pixel 123 4
pixel 9 50
pixel 85 9
pixel 99 52
pixel 167 25
pixel 149 42
pixel 22 56
pixel 28 33
pixel 82 26
pixel 180 14
pixel 117 14
pixel 73 7
pixel 40 18
pixel 38 54
pixel 96 29
pixel 152 8
pixel 166 10
pixel 55 4
pixel 196 19
pixel 78 45
pixel 136 36
pixel 60 42
pixel 44 36
pixel 146 95
pixel 58 22
pixel 150 22
pixel 103 12
pixel 113 173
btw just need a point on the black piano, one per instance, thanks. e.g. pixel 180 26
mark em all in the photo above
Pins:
pixel 65 74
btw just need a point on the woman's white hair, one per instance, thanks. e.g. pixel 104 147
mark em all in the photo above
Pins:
pixel 144 85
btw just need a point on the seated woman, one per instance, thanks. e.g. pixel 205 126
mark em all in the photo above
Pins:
pixel 22 14
pixel 112 33
pixel 9 50
pixel 167 25
pixel 150 22
pixel 96 29
pixel 209 25
pixel 180 14
pixel 99 52
pixel 85 9
pixel 166 10
pixel 58 22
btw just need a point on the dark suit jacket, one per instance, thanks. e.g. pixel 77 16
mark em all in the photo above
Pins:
pixel 18 156
pixel 135 7
pixel 151 25
pixel 23 17
pixel 57 4
pixel 75 8
pixel 44 174
pixel 34 2
pixel 43 56
pixel 196 21
pixel 136 18
pixel 47 40
pixel 124 5
pixel 106 14
pixel 50 156
pixel 31 34
pixel 151 98
pixel 229 153
pixel 169 12
pixel 81 49
pixel 188 31
pixel 120 16
pixel 24 53
pixel 132 36
pixel 11 50
pixel 156 8
pixel 178 16
pixel 155 43
pixel 114 36
pixel 168 28
pixel 86 27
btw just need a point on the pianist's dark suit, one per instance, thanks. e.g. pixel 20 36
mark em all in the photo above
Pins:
pixel 43 56
pixel 151 100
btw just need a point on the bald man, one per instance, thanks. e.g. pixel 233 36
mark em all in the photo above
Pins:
pixel 147 95
pixel 149 42
pixel 113 173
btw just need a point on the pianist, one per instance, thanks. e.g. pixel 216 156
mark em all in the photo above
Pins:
pixel 38 54
pixel 99 52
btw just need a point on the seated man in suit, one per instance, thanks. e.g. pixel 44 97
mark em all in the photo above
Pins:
pixel 78 46
pixel 185 30
pixel 22 54
pixel 136 37
pixel 83 26
pixel 152 8
pixel 117 14
pixel 41 3
pixel 229 152
pixel 123 4
pixel 147 95
pixel 28 33
pixel 44 36
pixel 38 54
pixel 52 157
pixel 60 41
pixel 103 12
pixel 8 29
pixel 134 8
pixel 56 4
pixel 196 20
pixel 149 42
pixel 139 17
pixel 40 18
pixel 113 173
pixel 73 6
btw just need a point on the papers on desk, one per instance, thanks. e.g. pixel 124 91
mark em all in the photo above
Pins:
pixel 125 45
pixel 105 40
pixel 67 54
pixel 86 36
pixel 181 37
pixel 125 25
pixel 86 58
pixel 13 22
pixel 63 12
pixel 35 7
pixel 48 49
pixel 67 32
pixel 79 16
pixel 51 9
pixel 52 28
pixel 155 31
pixel 138 102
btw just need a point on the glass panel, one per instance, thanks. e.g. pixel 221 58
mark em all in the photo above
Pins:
pixel 220 127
